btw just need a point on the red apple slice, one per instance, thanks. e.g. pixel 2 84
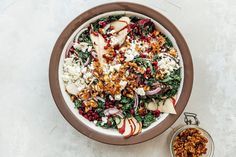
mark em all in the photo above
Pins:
pixel 132 124
pixel 167 106
pixel 137 126
pixel 128 129
pixel 140 127
pixel 120 125
pixel 173 99
pixel 120 24
pixel 99 43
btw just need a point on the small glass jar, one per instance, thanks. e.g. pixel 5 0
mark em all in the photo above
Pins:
pixel 189 117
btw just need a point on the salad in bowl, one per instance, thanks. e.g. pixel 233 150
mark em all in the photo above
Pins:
pixel 122 72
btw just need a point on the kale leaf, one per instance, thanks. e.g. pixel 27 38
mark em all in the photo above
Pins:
pixel 148 120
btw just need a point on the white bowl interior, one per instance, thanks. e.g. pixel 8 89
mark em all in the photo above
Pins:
pixel 66 96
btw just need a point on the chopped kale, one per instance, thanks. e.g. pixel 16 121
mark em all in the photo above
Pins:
pixel 108 19
pixel 84 37
pixel 134 19
pixel 77 103
pixel 83 55
pixel 168 42
pixel 148 120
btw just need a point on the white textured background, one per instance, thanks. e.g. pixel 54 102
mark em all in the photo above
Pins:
pixel 30 123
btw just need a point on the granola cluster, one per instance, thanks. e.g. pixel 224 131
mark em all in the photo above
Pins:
pixel 190 143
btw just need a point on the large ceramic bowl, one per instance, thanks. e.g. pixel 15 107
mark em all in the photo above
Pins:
pixel 66 106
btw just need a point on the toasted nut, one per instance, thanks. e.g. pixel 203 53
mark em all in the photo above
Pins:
pixel 190 142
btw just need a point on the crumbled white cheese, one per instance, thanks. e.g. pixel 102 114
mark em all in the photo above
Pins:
pixel 95 121
pixel 140 91
pixel 118 97
pixel 87 75
pixel 90 66
pixel 104 119
pixel 167 63
pixel 110 97
pixel 89 48
pixel 114 40
pixel 130 52
pixel 83 46
pixel 84 70
pixel 127 73
pixel 122 84
pixel 107 68
pixel 74 73
pixel 117 67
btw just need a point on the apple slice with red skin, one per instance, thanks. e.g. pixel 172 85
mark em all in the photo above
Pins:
pixel 133 124
pixel 121 125
pixel 99 43
pixel 128 129
pixel 136 124
pixel 120 24
pixel 140 127
pixel 173 99
pixel 167 106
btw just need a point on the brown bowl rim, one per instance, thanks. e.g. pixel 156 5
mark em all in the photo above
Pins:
pixel 54 80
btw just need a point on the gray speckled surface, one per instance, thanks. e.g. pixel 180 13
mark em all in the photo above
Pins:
pixel 30 123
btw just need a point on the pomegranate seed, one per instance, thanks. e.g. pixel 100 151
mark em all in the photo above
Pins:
pixel 132 111
pixel 90 118
pixel 81 111
pixel 96 117
pixel 109 122
pixel 71 49
pixel 116 47
pixel 154 63
pixel 106 47
pixel 86 116
pixel 102 23
pixel 143 55
pixel 148 70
